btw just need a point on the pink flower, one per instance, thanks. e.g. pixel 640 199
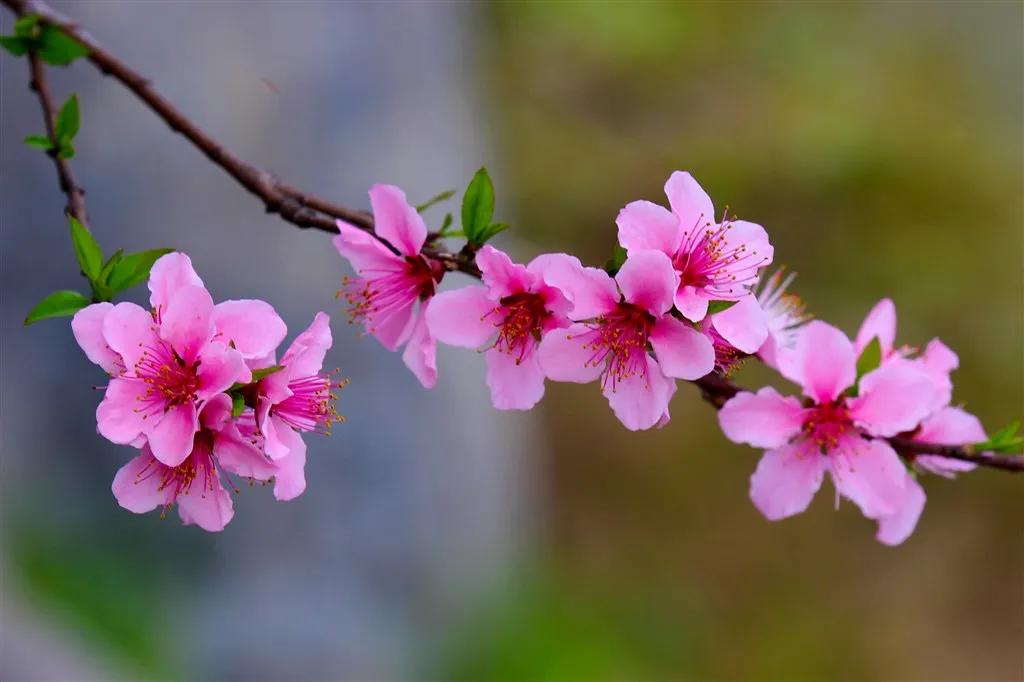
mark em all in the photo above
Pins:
pixel 394 288
pixel 507 317
pixel 169 362
pixel 194 484
pixel 714 261
pixel 833 433
pixel 784 313
pixel 614 322
pixel 294 400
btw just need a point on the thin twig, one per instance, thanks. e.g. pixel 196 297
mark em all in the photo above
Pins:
pixel 308 211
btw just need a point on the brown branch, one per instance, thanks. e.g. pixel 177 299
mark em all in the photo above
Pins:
pixel 308 211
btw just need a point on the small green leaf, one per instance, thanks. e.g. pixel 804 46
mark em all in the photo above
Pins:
pixel 719 306
pixel 616 260
pixel 14 45
pixel 1005 440
pixel 478 206
pixel 66 126
pixel 25 26
pixel 39 142
pixel 57 304
pixel 237 404
pixel 108 267
pixel 436 199
pixel 133 269
pixel 870 358
pixel 58 48
pixel 88 252
pixel 491 230
pixel 67 151
pixel 258 374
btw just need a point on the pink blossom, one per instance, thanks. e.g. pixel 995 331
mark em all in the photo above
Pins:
pixel 394 288
pixel 714 260
pixel 167 363
pixel 296 399
pixel 506 318
pixel 614 321
pixel 784 312
pixel 195 483
pixel 833 432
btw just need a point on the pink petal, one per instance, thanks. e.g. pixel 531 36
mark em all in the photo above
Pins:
pixel 172 435
pixel 639 401
pixel 276 434
pixel 897 527
pixel 893 399
pixel 939 357
pixel 138 485
pixel 239 456
pixel 219 368
pixel 691 303
pixel 420 354
pixel 187 321
pixel 744 325
pixel 396 221
pixel 591 290
pixel 216 413
pixel 251 326
pixel 117 418
pixel 688 201
pixel 786 480
pixel 881 323
pixel 563 356
pixel 501 275
pixel 822 361
pixel 870 473
pixel 290 481
pixel 943 466
pixel 646 226
pixel 129 331
pixel 206 504
pixel 87 326
pixel 514 385
pixel 394 330
pixel 305 357
pixel 170 273
pixel 365 252
pixel 951 426
pixel 684 353
pixel 647 279
pixel 466 318
pixel 764 419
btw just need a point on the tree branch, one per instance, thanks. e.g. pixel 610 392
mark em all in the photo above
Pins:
pixel 305 210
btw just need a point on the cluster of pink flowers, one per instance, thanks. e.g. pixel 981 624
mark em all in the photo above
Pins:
pixel 690 299
pixel 196 388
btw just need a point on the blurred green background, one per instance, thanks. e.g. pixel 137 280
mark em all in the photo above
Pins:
pixel 879 143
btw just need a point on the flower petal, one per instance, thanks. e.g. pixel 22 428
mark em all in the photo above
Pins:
pixel 251 326
pixel 880 323
pixel 591 290
pixel 172 435
pixel 219 368
pixel 897 527
pixel 138 485
pixel 239 456
pixel 87 326
pixel 564 357
pixel 514 385
pixel 951 426
pixel 822 361
pixel 764 419
pixel 129 331
pixel 170 273
pixel 365 252
pixel 744 324
pixel 420 354
pixel 117 418
pixel 466 318
pixel 893 399
pixel 870 473
pixel 396 221
pixel 206 503
pixel 688 201
pixel 305 357
pixel 682 351
pixel 786 480
pixel 640 401
pixel 501 275
pixel 290 481
pixel 644 225
pixel 647 279
pixel 691 303
pixel 187 321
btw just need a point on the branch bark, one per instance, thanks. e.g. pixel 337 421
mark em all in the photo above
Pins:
pixel 306 210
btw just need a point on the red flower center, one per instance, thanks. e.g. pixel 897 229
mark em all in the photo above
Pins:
pixel 520 328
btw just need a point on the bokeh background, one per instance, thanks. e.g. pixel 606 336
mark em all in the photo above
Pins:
pixel 880 143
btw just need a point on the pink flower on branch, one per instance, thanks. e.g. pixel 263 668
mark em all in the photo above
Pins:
pixel 507 318
pixel 715 261
pixel 623 334
pixel 831 432
pixel 394 287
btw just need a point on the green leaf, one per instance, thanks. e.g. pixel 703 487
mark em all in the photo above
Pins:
pixel 719 306
pixel 258 374
pixel 870 358
pixel 25 26
pixel 66 126
pixel 237 404
pixel 67 151
pixel 58 48
pixel 478 206
pixel 57 304
pixel 491 230
pixel 39 142
pixel 14 45
pixel 88 252
pixel 108 267
pixel 436 199
pixel 1005 440
pixel 616 260
pixel 133 269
